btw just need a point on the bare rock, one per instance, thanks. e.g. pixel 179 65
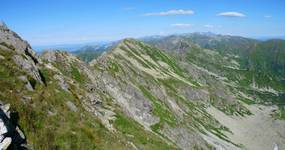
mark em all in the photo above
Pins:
pixel 2 57
pixel 71 106
pixel 11 136
pixel 62 83
pixel 28 65
pixel 13 40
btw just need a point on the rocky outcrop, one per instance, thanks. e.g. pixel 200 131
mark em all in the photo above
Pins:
pixel 14 41
pixel 11 136
pixel 23 54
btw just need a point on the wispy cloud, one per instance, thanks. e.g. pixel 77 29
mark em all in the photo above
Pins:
pixel 129 8
pixel 231 14
pixel 267 16
pixel 171 13
pixel 182 25
pixel 209 26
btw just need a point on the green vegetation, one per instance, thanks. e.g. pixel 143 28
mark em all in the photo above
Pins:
pixel 268 64
pixel 279 114
pixel 44 115
pixel 137 58
pixel 158 55
pixel 136 133
pixel 88 55
pixel 49 123
pixel 11 47
pixel 76 74
pixel 159 108
pixel 113 67
pixel 230 108
pixel 156 127
pixel 247 101
pixel 170 83
pixel 282 113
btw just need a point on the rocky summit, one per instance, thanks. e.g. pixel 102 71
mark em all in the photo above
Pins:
pixel 190 91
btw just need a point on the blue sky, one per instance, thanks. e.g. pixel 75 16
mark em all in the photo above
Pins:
pixel 51 22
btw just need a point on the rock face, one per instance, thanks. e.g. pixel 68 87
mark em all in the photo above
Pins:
pixel 10 38
pixel 136 96
pixel 11 137
pixel 152 88
pixel 25 58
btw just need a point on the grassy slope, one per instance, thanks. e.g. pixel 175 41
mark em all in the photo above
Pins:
pixel 63 130
pixel 50 124
pixel 127 128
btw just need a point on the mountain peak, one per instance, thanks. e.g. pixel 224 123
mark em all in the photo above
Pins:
pixel 13 41
pixel 129 40
pixel 3 25
pixel 125 44
pixel 57 55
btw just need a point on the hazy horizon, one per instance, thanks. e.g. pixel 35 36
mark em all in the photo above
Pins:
pixel 75 46
pixel 44 23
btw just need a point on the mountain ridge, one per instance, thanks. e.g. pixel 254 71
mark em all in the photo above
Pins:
pixel 136 96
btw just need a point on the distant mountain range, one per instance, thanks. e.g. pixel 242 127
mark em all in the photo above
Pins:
pixel 93 45
pixel 67 47
pixel 264 38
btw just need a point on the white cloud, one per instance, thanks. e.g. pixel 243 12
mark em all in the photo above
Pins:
pixel 171 13
pixel 267 16
pixel 182 25
pixel 231 14
pixel 209 26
